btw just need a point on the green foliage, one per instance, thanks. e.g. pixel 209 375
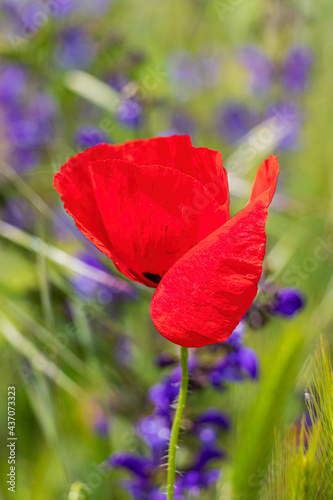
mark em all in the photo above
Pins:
pixel 255 437
pixel 59 350
pixel 79 491
pixel 302 465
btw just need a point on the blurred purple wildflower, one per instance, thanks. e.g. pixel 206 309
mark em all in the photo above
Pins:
pixel 88 136
pixel 123 351
pixel 129 113
pixel 235 367
pixel 118 81
pixel 18 212
pixel 295 68
pixel 234 120
pixel 75 48
pixel 88 289
pixel 212 416
pixel 183 124
pixel 289 301
pixel 102 425
pixel 192 72
pixel 236 338
pixel 155 430
pixel 260 67
pixel 289 116
pixel 13 83
pixel 165 359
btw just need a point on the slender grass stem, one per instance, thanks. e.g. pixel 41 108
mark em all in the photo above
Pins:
pixel 177 422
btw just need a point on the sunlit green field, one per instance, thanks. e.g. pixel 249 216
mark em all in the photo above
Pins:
pixel 83 363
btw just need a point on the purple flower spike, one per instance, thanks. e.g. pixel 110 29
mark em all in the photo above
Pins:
pixel 139 465
pixel 296 67
pixel 156 432
pixel 207 437
pixel 183 124
pixel 13 82
pixel 89 136
pixel 234 367
pixel 102 426
pixel 206 455
pixel 236 338
pixel 75 49
pixel 213 416
pixel 88 288
pixel 165 359
pixel 248 362
pixel 288 118
pixel 19 213
pixel 260 67
pixel 289 301
pixel 130 113
pixel 234 120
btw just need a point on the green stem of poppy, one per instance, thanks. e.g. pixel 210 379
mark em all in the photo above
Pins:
pixel 177 422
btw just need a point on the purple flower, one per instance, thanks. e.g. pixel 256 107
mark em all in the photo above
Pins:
pixel 260 67
pixel 42 107
pixel 184 73
pixel 165 359
pixel 13 83
pixel 129 113
pixel 88 136
pixel 137 464
pixel 24 158
pixel 288 119
pixel 88 288
pixel 33 17
pixel 234 120
pixel 75 49
pixel 192 72
pixel 212 416
pixel 236 338
pixel 235 366
pixel 248 362
pixel 197 477
pixel 296 67
pixel 155 431
pixel 102 425
pixel 118 81
pixel 19 213
pixel 207 436
pixel 123 351
pixel 183 124
pixel 164 394
pixel 289 301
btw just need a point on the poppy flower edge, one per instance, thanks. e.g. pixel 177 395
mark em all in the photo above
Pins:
pixel 205 294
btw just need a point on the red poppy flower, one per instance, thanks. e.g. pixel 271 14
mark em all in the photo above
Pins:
pixel 159 208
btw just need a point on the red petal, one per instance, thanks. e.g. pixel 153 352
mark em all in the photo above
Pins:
pixel 266 178
pixel 143 217
pixel 202 298
pixel 175 152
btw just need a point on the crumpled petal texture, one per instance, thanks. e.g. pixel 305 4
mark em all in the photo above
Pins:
pixel 159 208
pixel 145 216
pixel 203 297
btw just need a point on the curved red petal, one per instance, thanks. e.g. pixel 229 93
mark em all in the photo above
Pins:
pixel 144 217
pixel 266 178
pixel 202 298
pixel 175 152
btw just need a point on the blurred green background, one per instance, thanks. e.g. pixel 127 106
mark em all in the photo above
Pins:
pixel 217 70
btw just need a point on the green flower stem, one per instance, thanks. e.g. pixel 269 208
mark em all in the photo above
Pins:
pixel 177 422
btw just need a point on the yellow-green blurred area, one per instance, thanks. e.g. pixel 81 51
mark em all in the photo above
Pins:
pixel 80 352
